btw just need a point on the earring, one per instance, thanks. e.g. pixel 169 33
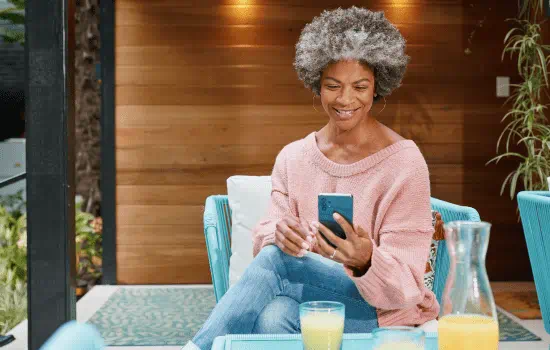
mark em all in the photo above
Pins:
pixel 314 104
pixel 384 105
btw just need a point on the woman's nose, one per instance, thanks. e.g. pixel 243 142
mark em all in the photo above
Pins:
pixel 345 97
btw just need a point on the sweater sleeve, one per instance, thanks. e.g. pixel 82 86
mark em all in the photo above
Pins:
pixel 395 279
pixel 264 233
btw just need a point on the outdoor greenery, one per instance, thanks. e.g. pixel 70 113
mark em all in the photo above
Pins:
pixel 13 306
pixel 527 132
pixel 88 249
pixel 13 262
pixel 15 15
pixel 13 257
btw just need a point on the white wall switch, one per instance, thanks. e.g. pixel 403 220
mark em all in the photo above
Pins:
pixel 503 86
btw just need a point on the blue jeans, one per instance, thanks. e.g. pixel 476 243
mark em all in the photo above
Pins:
pixel 266 298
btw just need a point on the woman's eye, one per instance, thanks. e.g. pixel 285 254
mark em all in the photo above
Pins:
pixel 332 86
pixel 362 87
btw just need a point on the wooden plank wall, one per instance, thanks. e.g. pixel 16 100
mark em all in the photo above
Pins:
pixel 206 89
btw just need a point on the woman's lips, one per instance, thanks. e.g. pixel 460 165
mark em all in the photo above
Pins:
pixel 345 113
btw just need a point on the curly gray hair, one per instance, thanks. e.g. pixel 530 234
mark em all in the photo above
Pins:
pixel 354 33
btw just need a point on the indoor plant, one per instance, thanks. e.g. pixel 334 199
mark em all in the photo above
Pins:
pixel 527 132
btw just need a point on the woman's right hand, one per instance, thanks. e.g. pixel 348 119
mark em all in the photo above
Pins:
pixel 293 236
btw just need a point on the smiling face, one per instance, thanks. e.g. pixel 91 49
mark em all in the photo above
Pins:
pixel 347 91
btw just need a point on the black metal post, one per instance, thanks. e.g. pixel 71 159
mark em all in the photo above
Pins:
pixel 49 51
pixel 108 163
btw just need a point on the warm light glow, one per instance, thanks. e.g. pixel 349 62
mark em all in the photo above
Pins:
pixel 400 11
pixel 243 13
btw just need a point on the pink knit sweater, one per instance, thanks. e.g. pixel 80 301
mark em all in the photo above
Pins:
pixel 391 191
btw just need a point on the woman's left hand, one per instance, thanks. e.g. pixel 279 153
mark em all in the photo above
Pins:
pixel 354 252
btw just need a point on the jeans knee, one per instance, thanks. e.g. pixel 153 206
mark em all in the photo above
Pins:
pixel 270 250
pixel 271 255
pixel 281 316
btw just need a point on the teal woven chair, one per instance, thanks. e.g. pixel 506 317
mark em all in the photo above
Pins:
pixel 534 209
pixel 217 231
pixel 75 336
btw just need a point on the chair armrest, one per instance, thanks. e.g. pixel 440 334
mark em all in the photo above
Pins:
pixel 449 212
pixel 217 219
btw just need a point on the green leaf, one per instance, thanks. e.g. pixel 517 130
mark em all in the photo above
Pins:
pixel 542 62
pixel 12 17
pixel 506 180
pixel 510 32
pixel 513 182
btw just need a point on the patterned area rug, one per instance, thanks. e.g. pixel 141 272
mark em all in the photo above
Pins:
pixel 171 316
pixel 522 304
pixel 153 316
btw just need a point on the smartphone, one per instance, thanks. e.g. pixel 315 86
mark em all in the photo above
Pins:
pixel 328 204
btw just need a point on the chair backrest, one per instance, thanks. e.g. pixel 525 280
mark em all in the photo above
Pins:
pixel 534 208
pixel 449 212
pixel 217 226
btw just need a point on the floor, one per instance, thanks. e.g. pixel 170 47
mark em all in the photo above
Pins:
pixel 92 301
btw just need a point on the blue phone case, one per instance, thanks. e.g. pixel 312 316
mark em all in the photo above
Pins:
pixel 328 203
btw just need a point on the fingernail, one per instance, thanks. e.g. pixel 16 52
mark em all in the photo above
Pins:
pixel 305 245
pixel 315 224
pixel 336 215
pixel 302 253
pixel 309 239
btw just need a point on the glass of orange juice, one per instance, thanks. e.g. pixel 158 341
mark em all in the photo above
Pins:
pixel 468 317
pixel 398 338
pixel 322 324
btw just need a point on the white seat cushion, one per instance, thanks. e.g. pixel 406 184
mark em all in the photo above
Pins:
pixel 249 198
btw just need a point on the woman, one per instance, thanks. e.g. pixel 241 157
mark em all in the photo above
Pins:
pixel 350 58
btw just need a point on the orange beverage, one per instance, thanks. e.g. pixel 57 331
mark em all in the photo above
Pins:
pixel 322 331
pixel 462 332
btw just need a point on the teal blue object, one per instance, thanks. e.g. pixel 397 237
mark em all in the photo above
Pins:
pixel 360 341
pixel 217 232
pixel 534 209
pixel 75 336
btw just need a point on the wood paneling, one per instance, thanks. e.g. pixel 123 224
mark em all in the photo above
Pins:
pixel 174 271
pixel 161 235
pixel 242 55
pixel 282 134
pixel 125 4
pixel 275 14
pixel 258 34
pixel 225 94
pixel 192 176
pixel 255 75
pixel 166 194
pixel 145 214
pixel 130 116
pixel 156 263
pixel 206 89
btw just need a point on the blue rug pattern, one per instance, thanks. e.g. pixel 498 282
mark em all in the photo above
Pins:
pixel 172 316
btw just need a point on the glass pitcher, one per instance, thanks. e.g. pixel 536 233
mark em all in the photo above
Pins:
pixel 468 317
